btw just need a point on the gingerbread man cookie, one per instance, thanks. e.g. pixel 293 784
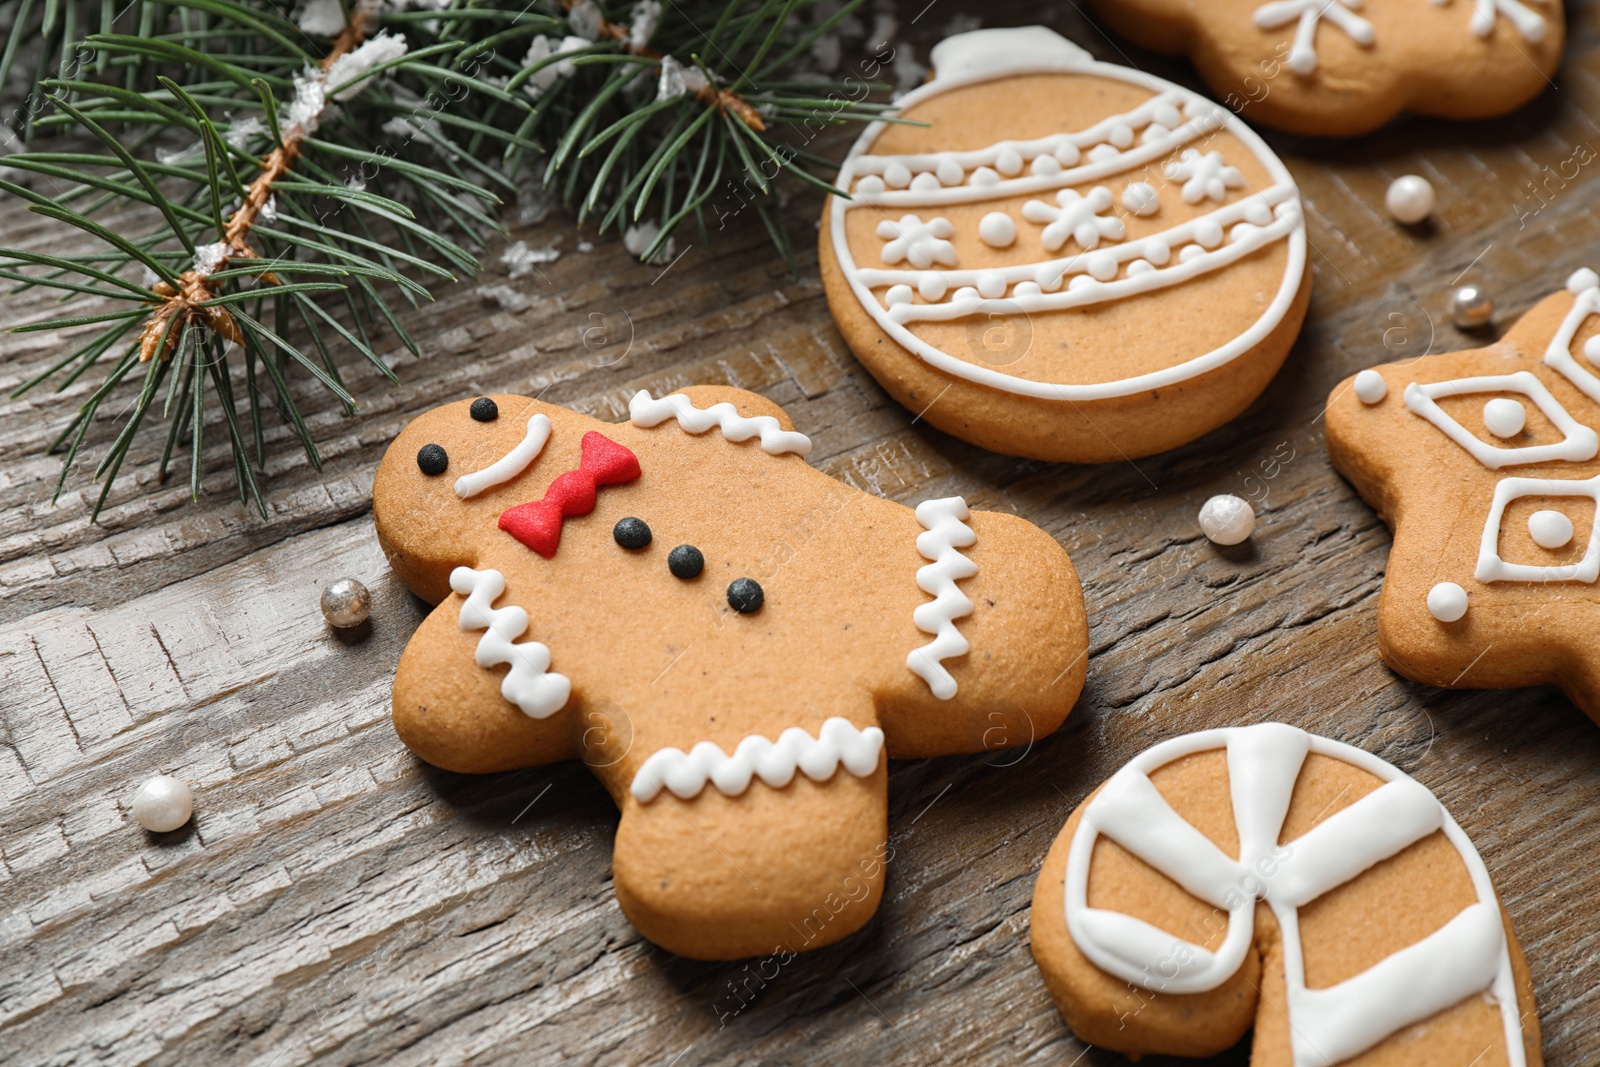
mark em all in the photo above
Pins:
pixel 732 640
pixel 1484 463
pixel 1265 877
pixel 1064 259
pixel 1338 68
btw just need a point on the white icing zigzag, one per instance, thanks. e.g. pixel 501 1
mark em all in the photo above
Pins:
pixel 686 774
pixel 1328 1025
pixel 530 684
pixel 947 535
pixel 509 465
pixel 1308 15
pixel 645 411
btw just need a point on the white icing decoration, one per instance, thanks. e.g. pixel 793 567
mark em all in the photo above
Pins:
pixel 899 294
pixel 1578 442
pixel 1077 217
pixel 530 684
pixel 509 465
pixel 1447 602
pixel 1491 568
pixel 1155 248
pixel 1527 21
pixel 1193 116
pixel 932 285
pixel 775 440
pixel 1205 176
pixel 947 533
pixel 1308 14
pixel 1550 529
pixel 1585 286
pixel 922 244
pixel 999 51
pixel 991 284
pixel 686 774
pixel 1370 387
pixel 1142 199
pixel 1044 166
pixel 997 229
pixel 1504 417
pixel 922 183
pixel 1467 956
pixel 949 171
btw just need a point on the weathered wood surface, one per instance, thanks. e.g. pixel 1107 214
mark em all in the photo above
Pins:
pixel 335 898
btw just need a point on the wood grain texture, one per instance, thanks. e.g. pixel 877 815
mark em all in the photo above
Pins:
pixel 336 899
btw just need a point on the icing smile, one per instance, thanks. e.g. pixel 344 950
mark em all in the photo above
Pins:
pixel 509 465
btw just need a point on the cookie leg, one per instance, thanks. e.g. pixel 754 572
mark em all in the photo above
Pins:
pixel 1029 643
pixel 450 712
pixel 764 873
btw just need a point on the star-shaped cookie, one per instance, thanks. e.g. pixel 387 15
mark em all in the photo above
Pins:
pixel 1486 464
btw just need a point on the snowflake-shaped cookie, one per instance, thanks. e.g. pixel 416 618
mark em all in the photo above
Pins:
pixel 922 244
pixel 1204 177
pixel 1077 217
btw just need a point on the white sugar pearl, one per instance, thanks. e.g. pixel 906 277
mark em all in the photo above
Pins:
pixel 1504 417
pixel 991 284
pixel 162 804
pixel 1227 519
pixel 1409 199
pixel 1370 387
pixel 1447 602
pixel 997 229
pixel 1008 162
pixel 1141 198
pixel 950 172
pixel 898 175
pixel 1550 529
pixel 1581 279
pixel 897 295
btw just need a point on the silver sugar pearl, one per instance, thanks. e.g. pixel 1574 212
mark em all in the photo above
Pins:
pixel 346 603
pixel 1471 307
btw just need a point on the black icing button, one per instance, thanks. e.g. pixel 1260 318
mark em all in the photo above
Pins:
pixel 485 409
pixel 685 562
pixel 744 595
pixel 432 459
pixel 632 533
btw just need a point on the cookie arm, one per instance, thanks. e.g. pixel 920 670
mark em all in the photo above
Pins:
pixel 451 712
pixel 1028 640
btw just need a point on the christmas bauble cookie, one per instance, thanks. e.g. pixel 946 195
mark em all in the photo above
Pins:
pixel 1486 464
pixel 732 640
pixel 1337 68
pixel 1263 877
pixel 1064 259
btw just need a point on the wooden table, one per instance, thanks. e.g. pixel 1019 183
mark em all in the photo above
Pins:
pixel 336 898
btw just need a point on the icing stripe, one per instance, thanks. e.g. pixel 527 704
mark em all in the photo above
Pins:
pixel 1090 292
pixel 530 684
pixel 1139 156
pixel 1468 955
pixel 775 440
pixel 946 535
pixel 1100 133
pixel 1559 354
pixel 685 774
pixel 509 465
pixel 1491 568
pixel 1173 237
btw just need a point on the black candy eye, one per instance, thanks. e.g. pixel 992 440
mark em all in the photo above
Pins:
pixel 631 533
pixel 685 562
pixel 485 410
pixel 745 596
pixel 432 459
